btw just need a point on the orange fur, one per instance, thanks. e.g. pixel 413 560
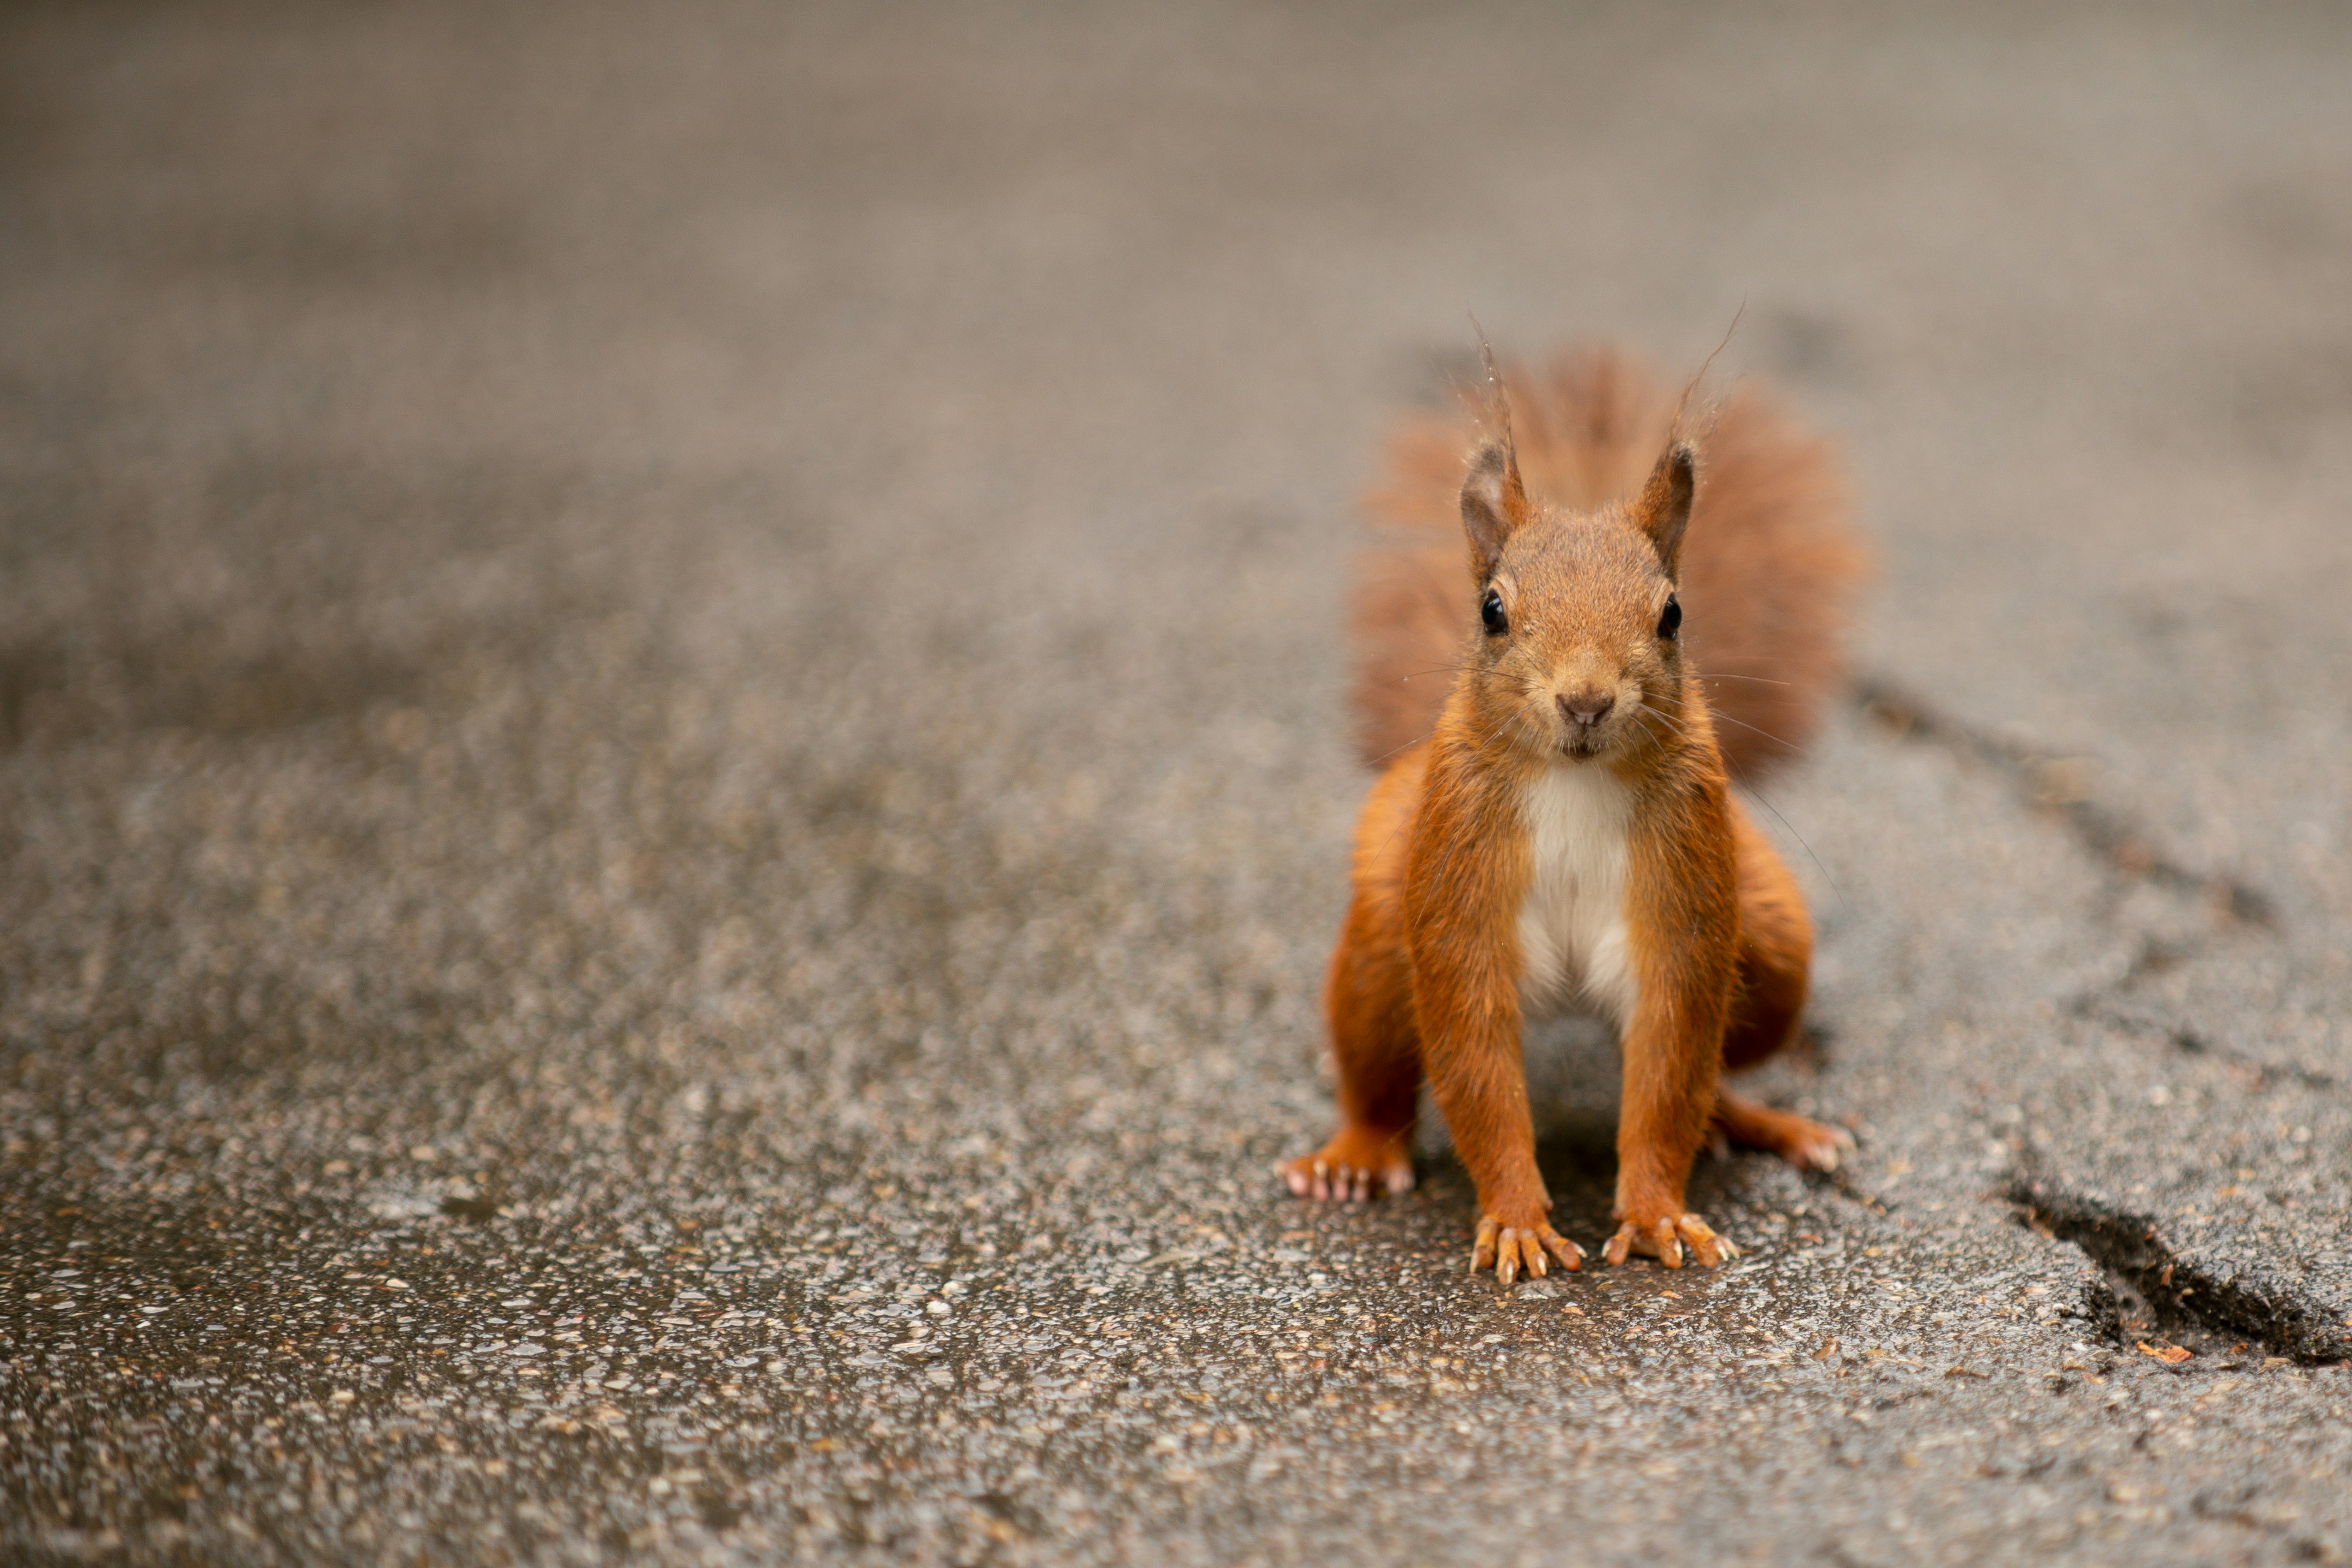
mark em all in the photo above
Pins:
pixel 1772 567
pixel 1702 936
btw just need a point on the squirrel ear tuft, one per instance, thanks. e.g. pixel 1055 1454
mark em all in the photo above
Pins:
pixel 1494 503
pixel 1663 508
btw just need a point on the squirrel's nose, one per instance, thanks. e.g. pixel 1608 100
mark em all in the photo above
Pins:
pixel 1586 709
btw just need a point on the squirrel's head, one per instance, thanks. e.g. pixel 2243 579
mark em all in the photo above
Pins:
pixel 1579 654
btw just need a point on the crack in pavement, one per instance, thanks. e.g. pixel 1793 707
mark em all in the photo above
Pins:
pixel 2098 1005
pixel 2238 1505
pixel 2149 1289
pixel 2055 785
pixel 2189 1042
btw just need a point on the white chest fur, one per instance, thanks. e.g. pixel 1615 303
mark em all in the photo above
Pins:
pixel 1572 950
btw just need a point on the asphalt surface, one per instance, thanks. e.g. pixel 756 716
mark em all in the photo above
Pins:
pixel 672 783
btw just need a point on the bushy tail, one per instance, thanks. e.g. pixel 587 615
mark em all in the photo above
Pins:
pixel 1768 568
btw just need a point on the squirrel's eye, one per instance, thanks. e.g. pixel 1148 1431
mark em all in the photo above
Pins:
pixel 1490 610
pixel 1670 620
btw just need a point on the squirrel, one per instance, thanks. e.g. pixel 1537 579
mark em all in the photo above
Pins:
pixel 1557 831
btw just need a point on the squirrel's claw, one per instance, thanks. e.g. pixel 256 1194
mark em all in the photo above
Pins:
pixel 1329 1179
pixel 1570 1256
pixel 1823 1153
pixel 1666 1239
pixel 1329 1183
pixel 1807 1144
pixel 1513 1250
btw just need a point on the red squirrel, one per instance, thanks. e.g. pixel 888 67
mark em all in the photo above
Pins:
pixel 1557 831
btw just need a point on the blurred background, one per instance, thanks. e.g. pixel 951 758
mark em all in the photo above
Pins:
pixel 616 618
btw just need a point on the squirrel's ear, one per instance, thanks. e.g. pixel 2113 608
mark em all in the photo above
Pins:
pixel 1664 508
pixel 1494 503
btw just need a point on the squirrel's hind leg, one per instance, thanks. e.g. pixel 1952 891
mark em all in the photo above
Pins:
pixel 1776 956
pixel 1368 1002
pixel 1808 1144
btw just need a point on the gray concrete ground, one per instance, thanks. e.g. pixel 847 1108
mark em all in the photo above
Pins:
pixel 672 784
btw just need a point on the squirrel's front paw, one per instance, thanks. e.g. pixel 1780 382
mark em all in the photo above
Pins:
pixel 1664 1238
pixel 1510 1249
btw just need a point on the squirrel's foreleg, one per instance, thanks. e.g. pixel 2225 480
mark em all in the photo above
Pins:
pixel 1673 1054
pixel 1683 927
pixel 1467 1010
